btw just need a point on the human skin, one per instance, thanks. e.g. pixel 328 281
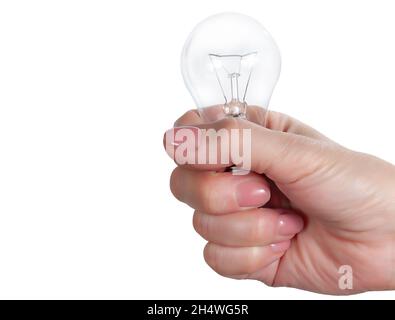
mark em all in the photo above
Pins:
pixel 308 206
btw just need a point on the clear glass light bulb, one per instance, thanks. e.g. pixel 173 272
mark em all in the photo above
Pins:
pixel 231 61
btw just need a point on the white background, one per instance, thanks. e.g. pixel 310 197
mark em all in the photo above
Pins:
pixel 87 89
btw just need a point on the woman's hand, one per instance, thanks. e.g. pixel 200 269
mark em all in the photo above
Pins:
pixel 308 207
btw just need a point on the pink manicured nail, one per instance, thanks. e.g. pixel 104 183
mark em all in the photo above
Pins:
pixel 280 246
pixel 289 224
pixel 251 194
pixel 178 135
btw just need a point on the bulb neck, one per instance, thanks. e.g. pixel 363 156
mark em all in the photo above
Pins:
pixel 235 109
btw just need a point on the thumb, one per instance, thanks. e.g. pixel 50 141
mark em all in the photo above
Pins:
pixel 284 157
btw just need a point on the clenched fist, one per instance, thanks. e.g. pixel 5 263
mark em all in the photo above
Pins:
pixel 307 206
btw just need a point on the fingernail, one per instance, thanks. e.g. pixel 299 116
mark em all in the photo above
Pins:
pixel 289 224
pixel 178 135
pixel 251 194
pixel 280 246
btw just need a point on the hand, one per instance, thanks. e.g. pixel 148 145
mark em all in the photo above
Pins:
pixel 308 207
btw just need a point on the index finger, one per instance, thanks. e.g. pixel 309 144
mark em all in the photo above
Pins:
pixel 270 119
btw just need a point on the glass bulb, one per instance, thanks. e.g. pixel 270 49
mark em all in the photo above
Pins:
pixel 230 61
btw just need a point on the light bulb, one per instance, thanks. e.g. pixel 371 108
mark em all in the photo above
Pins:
pixel 230 61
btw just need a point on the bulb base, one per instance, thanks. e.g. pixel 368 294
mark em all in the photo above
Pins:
pixel 235 109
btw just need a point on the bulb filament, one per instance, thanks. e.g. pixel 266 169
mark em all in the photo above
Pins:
pixel 233 73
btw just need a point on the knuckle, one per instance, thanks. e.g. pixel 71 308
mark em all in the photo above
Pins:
pixel 286 148
pixel 209 197
pixel 184 119
pixel 279 121
pixel 196 221
pixel 289 145
pixel 201 223
pixel 257 230
pixel 228 123
pixel 174 183
pixel 212 256
pixel 210 202
pixel 251 261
